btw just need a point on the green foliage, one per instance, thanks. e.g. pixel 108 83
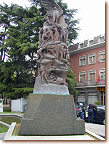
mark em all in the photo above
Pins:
pixel 6 109
pixel 10 119
pixel 16 93
pixel 15 82
pixel 3 129
pixel 19 40
pixel 97 103
pixel 21 92
pixel 71 82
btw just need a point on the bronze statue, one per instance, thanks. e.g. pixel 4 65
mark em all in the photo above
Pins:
pixel 52 53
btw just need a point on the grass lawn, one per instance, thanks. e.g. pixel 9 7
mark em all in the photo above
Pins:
pixel 10 119
pixel 6 109
pixel 16 113
pixel 3 129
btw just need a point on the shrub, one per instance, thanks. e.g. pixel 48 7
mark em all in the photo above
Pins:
pixel 20 92
pixel 97 103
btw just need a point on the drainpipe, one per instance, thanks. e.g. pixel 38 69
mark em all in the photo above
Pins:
pixel 103 99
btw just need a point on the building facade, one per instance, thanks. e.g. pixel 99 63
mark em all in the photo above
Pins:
pixel 87 60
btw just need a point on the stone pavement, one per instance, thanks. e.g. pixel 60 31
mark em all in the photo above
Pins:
pixel 96 128
pixel 2 135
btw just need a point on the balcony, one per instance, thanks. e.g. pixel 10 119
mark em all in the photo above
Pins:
pixel 91 83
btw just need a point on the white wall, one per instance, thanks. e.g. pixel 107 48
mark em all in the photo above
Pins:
pixel 18 105
pixel 92 99
pixel 81 98
pixel 1 105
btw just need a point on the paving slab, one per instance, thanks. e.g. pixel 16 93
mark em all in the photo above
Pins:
pixel 96 128
pixel 2 135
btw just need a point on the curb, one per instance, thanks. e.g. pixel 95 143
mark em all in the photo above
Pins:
pixel 94 135
pixel 86 137
pixel 11 115
pixel 5 124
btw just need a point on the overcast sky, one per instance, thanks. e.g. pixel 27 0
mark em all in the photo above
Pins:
pixel 90 12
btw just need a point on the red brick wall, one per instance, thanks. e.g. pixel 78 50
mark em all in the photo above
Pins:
pixel 74 63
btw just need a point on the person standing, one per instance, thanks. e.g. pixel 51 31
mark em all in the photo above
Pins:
pixel 83 112
pixel 91 112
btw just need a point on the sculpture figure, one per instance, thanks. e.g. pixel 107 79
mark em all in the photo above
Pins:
pixel 52 53
pixel 50 109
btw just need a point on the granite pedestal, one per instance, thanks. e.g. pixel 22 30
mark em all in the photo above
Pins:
pixel 50 114
pixel 51 88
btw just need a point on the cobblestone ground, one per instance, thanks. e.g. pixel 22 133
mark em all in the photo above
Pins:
pixel 96 128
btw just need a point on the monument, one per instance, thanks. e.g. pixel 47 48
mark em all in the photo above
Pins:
pixel 50 109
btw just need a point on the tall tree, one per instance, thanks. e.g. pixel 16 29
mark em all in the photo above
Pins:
pixel 71 82
pixel 4 25
pixel 19 41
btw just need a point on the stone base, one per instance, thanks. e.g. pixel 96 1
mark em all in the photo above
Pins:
pixel 50 115
pixel 44 88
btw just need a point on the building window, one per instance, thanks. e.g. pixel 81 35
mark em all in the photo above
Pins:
pixel 91 42
pixel 82 60
pixel 101 38
pixel 102 74
pixel 92 76
pixel 101 57
pixel 81 45
pixel 91 59
pixel 82 76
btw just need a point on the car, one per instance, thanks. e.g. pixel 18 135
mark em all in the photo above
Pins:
pixel 99 115
pixel 81 103
pixel 78 110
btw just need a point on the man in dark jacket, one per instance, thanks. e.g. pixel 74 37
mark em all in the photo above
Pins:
pixel 91 114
